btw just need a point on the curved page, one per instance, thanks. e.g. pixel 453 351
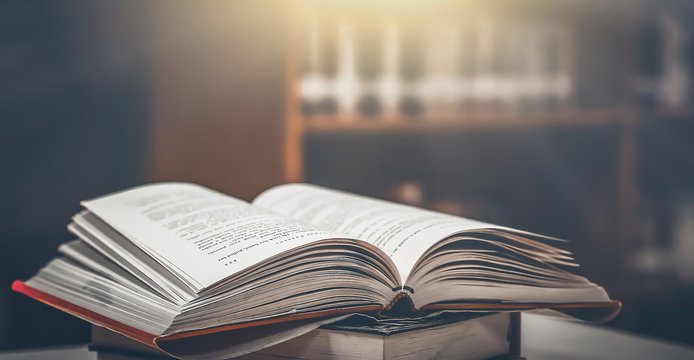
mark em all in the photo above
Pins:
pixel 403 232
pixel 205 236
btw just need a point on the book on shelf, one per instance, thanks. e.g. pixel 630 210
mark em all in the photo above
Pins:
pixel 440 335
pixel 176 266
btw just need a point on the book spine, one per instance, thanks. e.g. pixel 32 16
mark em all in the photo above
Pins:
pixel 86 314
pixel 401 305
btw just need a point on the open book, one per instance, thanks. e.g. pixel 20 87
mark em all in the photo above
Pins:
pixel 171 261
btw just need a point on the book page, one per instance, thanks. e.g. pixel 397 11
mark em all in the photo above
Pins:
pixel 202 235
pixel 403 232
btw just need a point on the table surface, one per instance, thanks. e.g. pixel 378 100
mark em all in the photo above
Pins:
pixel 542 338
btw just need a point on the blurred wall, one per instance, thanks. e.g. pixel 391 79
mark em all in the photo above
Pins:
pixel 220 71
pixel 74 124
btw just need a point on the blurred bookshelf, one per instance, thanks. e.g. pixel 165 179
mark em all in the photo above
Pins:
pixel 532 114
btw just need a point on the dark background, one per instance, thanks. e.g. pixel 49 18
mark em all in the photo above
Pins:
pixel 75 109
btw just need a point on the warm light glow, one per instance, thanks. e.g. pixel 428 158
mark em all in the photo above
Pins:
pixel 442 86
pixel 314 47
pixel 346 84
pixel 390 84
pixel 313 87
pixel 485 88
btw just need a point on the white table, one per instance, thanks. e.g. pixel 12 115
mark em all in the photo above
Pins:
pixel 542 338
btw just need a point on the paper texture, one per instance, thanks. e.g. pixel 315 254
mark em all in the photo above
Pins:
pixel 202 235
pixel 402 232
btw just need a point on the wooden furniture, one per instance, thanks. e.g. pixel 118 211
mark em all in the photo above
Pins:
pixel 219 93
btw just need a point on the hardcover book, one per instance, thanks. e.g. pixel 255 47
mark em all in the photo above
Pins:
pixel 440 335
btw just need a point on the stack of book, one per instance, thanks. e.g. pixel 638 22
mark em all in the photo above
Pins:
pixel 440 335
pixel 193 273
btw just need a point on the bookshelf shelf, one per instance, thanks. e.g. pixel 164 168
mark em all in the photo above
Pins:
pixel 491 120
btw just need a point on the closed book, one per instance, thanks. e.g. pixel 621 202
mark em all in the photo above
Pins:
pixel 443 335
